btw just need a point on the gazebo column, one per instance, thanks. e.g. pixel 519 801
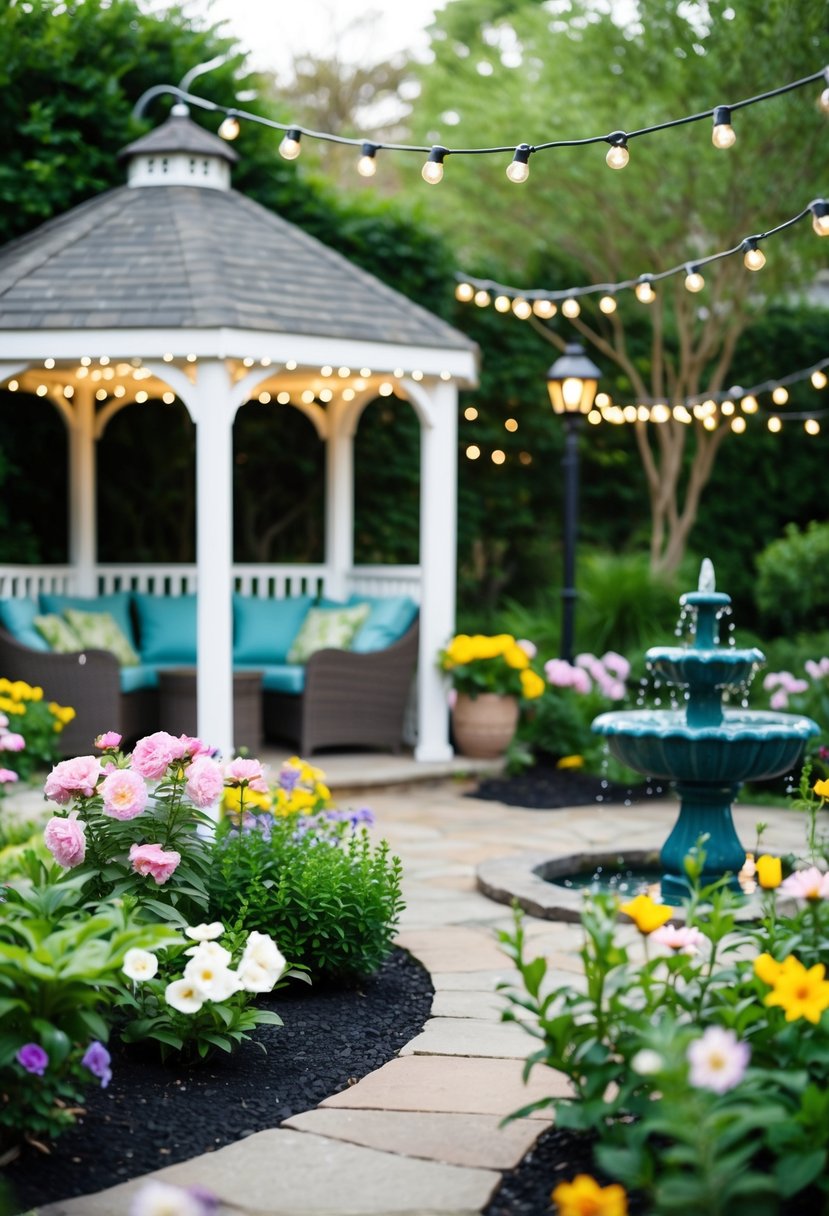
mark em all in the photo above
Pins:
pixel 83 552
pixel 339 499
pixel 438 561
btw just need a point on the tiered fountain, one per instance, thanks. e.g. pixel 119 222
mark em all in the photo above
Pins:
pixel 706 750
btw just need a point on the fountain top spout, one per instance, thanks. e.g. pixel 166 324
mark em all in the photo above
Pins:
pixel 707 578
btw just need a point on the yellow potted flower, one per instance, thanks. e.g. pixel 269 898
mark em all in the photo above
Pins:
pixel 490 678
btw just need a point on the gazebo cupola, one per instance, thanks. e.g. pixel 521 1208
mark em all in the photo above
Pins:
pixel 179 153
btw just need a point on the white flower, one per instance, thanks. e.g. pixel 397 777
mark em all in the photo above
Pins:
pixel 139 965
pixel 184 995
pixel 161 1199
pixel 253 977
pixel 211 952
pixel 261 949
pixel 205 933
pixel 214 980
pixel 718 1060
pixel 647 1062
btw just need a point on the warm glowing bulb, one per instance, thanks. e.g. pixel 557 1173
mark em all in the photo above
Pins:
pixel 502 303
pixel 823 101
pixel 775 425
pixel 498 457
pixel 482 298
pixel 229 128
pixel 818 379
pixel 811 426
pixel 738 424
pixel 723 134
pixel 727 408
pixel 518 170
pixel 544 309
pixel 432 171
pixel 522 309
pixel 820 218
pixel 470 413
pixel 660 412
pixel 780 395
pixel 645 294
pixel 464 292
pixel 694 281
pixel 617 156
pixel 754 258
pixel 607 304
pixel 290 147
pixel 367 164
pixel 473 452
pixel 571 308
pixel 749 405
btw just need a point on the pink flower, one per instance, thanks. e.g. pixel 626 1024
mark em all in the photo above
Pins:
pixel 616 664
pixel 615 690
pixel 8 775
pixel 108 741
pixel 71 778
pixel 585 659
pixel 153 755
pixel 12 742
pixel 152 860
pixel 530 649
pixel 772 680
pixel 559 673
pixel 806 884
pixel 779 699
pixel 580 682
pixel 205 781
pixel 813 669
pixel 124 794
pixel 194 747
pixel 682 938
pixel 718 1060
pixel 66 841
pixel 247 772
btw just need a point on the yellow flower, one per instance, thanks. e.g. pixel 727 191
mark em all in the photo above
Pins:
pixel 570 762
pixel 532 685
pixel 767 968
pixel 646 914
pixel 36 693
pixel 821 788
pixel 801 993
pixel 769 872
pixel 5 685
pixel 460 651
pixel 584 1197
pixel 20 690
pixel 517 658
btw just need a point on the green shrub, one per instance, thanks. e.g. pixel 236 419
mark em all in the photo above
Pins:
pixel 315 883
pixel 622 605
pixel 793 580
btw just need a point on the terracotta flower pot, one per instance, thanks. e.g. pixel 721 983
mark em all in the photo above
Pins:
pixel 483 726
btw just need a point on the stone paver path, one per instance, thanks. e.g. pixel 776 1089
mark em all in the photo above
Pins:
pixel 421 1134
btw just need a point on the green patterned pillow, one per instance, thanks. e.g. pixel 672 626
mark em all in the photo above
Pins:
pixel 99 631
pixel 327 627
pixel 58 633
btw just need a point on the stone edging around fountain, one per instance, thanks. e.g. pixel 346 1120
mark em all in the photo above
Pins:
pixel 524 879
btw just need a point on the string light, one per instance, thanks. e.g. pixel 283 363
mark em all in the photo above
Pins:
pixel 464 292
pixel 811 426
pixel 607 305
pixel 367 164
pixel 522 309
pixel 502 304
pixel 229 128
pixel 693 280
pixel 544 309
pixel 518 170
pixel 818 379
pixel 780 395
pixel 617 156
pixel 820 217
pixel 774 424
pixel 723 135
pixel 482 298
pixel 644 291
pixel 432 171
pixel 570 308
pixel 754 258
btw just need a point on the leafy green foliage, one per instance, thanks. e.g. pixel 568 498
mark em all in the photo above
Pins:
pixel 329 898
pixel 793 579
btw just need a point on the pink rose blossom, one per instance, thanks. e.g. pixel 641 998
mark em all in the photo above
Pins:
pixel 108 741
pixel 581 681
pixel 8 775
pixel 66 841
pixel 152 860
pixel 616 664
pixel 779 699
pixel 615 690
pixel 249 772
pixel 205 781
pixel 124 794
pixel 12 742
pixel 585 659
pixel 773 679
pixel 682 938
pixel 530 649
pixel 194 747
pixel 813 669
pixel 73 777
pixel 153 755
pixel 806 884
pixel 558 672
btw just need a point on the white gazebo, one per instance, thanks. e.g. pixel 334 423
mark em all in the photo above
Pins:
pixel 177 286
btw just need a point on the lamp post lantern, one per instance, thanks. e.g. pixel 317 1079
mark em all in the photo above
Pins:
pixel 572 382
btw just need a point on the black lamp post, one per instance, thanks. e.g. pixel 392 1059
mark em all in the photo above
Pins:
pixel 572 382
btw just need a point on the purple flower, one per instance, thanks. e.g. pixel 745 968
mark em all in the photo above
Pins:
pixel 97 1059
pixel 33 1058
pixel 288 777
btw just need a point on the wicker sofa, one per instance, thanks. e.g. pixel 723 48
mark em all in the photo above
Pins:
pixel 337 698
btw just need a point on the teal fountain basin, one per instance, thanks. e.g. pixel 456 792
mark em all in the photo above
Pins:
pixel 705 749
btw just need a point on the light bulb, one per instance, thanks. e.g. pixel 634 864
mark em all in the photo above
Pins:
pixel 432 171
pixel 518 170
pixel 618 155
pixel 229 128
pixel 502 303
pixel 823 101
pixel 544 309
pixel 571 308
pixel 367 164
pixel 522 309
pixel 607 304
pixel 811 426
pixel 290 147
pixel 754 258
pixel 780 395
pixel 818 379
pixel 738 424
pixel 694 280
pixel 775 425
pixel 645 294
pixel 723 134
pixel 482 298
pixel 464 292
pixel 820 217
pixel 749 405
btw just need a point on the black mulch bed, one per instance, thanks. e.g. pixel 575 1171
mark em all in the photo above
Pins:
pixel 544 787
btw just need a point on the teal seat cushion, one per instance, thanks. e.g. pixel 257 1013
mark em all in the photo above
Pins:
pixel 388 620
pixel 166 628
pixel 117 605
pixel 282 677
pixel 134 678
pixel 263 629
pixel 18 618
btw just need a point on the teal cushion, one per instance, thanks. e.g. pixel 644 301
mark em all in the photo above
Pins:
pixel 283 677
pixel 166 628
pixel 133 678
pixel 117 605
pixel 390 617
pixel 263 629
pixel 18 617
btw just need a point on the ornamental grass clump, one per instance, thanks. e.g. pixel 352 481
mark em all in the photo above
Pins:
pixel 287 864
pixel 498 664
pixel 699 1054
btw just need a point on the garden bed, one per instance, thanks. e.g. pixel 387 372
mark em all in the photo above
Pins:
pixel 546 787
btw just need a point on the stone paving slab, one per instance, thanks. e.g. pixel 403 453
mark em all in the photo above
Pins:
pixel 453 1084
pixel 484 1005
pixel 454 948
pixel 466 981
pixel 292 1173
pixel 470 1140
pixel 468 1037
